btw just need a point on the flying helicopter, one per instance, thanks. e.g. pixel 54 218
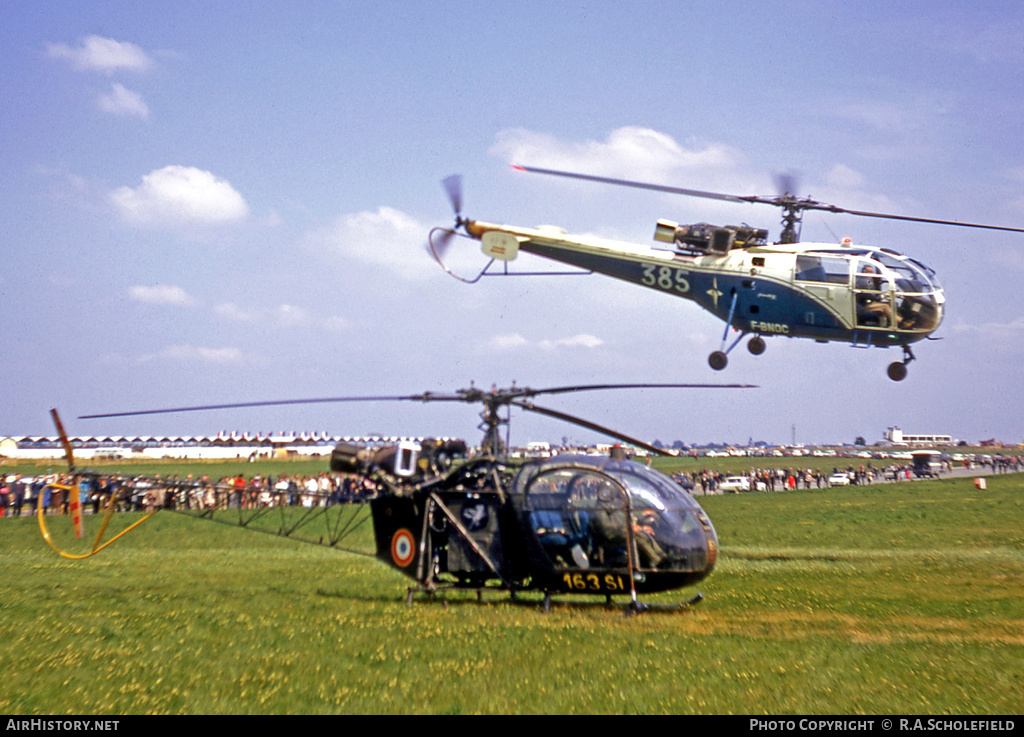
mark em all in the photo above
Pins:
pixel 842 292
pixel 449 519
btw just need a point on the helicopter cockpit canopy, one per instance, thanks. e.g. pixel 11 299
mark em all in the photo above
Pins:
pixel 911 275
pixel 891 291
pixel 585 512
pixel 910 290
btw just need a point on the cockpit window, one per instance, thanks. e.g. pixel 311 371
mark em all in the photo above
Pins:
pixel 910 275
pixel 585 517
pixel 827 269
pixel 893 292
pixel 648 489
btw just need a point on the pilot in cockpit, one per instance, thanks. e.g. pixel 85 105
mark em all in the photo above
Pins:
pixel 608 528
pixel 872 306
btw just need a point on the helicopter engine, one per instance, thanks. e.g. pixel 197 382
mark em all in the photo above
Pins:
pixel 408 459
pixel 706 238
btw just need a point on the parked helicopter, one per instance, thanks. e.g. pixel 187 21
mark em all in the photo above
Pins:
pixel 562 525
pixel 862 295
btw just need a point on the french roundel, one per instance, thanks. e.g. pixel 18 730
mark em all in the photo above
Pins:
pixel 403 548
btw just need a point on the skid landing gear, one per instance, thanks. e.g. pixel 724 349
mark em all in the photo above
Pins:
pixel 636 607
pixel 897 370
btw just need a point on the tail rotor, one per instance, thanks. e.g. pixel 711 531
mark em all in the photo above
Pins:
pixel 440 239
pixel 453 186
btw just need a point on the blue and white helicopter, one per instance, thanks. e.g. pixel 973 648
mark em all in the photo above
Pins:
pixel 843 292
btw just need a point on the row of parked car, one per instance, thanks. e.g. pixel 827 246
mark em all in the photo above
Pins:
pixel 735 484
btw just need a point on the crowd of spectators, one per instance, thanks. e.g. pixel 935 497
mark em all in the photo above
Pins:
pixel 779 479
pixel 24 495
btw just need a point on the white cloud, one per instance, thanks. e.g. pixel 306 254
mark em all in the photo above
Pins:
pixel 907 125
pixel 1001 332
pixel 291 316
pixel 179 195
pixel 162 294
pixel 849 188
pixel 583 340
pixel 998 42
pixel 285 316
pixel 386 237
pixel 631 152
pixel 337 324
pixel 646 155
pixel 510 342
pixel 99 54
pixel 516 342
pixel 122 101
pixel 843 177
pixel 195 354
pixel 231 311
pixel 876 115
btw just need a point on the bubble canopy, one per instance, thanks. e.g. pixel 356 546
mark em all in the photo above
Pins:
pixel 591 513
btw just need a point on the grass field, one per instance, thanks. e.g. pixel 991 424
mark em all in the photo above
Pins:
pixel 892 599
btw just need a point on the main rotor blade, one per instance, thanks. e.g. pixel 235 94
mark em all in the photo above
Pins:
pixel 605 387
pixel 639 185
pixel 496 396
pixel 531 407
pixel 272 403
pixel 811 205
pixel 786 200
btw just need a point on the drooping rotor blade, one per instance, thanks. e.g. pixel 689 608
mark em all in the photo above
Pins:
pixel 531 407
pixel 638 185
pixel 493 396
pixel 606 387
pixel 492 400
pixel 272 403
pixel 453 186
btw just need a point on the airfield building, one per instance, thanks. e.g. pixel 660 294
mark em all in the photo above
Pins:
pixel 897 437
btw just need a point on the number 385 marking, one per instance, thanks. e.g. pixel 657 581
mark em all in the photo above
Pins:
pixel 665 277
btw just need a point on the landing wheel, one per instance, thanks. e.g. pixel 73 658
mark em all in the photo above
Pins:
pixel 756 345
pixel 718 360
pixel 897 371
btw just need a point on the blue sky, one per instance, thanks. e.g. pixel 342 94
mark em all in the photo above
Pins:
pixel 228 202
